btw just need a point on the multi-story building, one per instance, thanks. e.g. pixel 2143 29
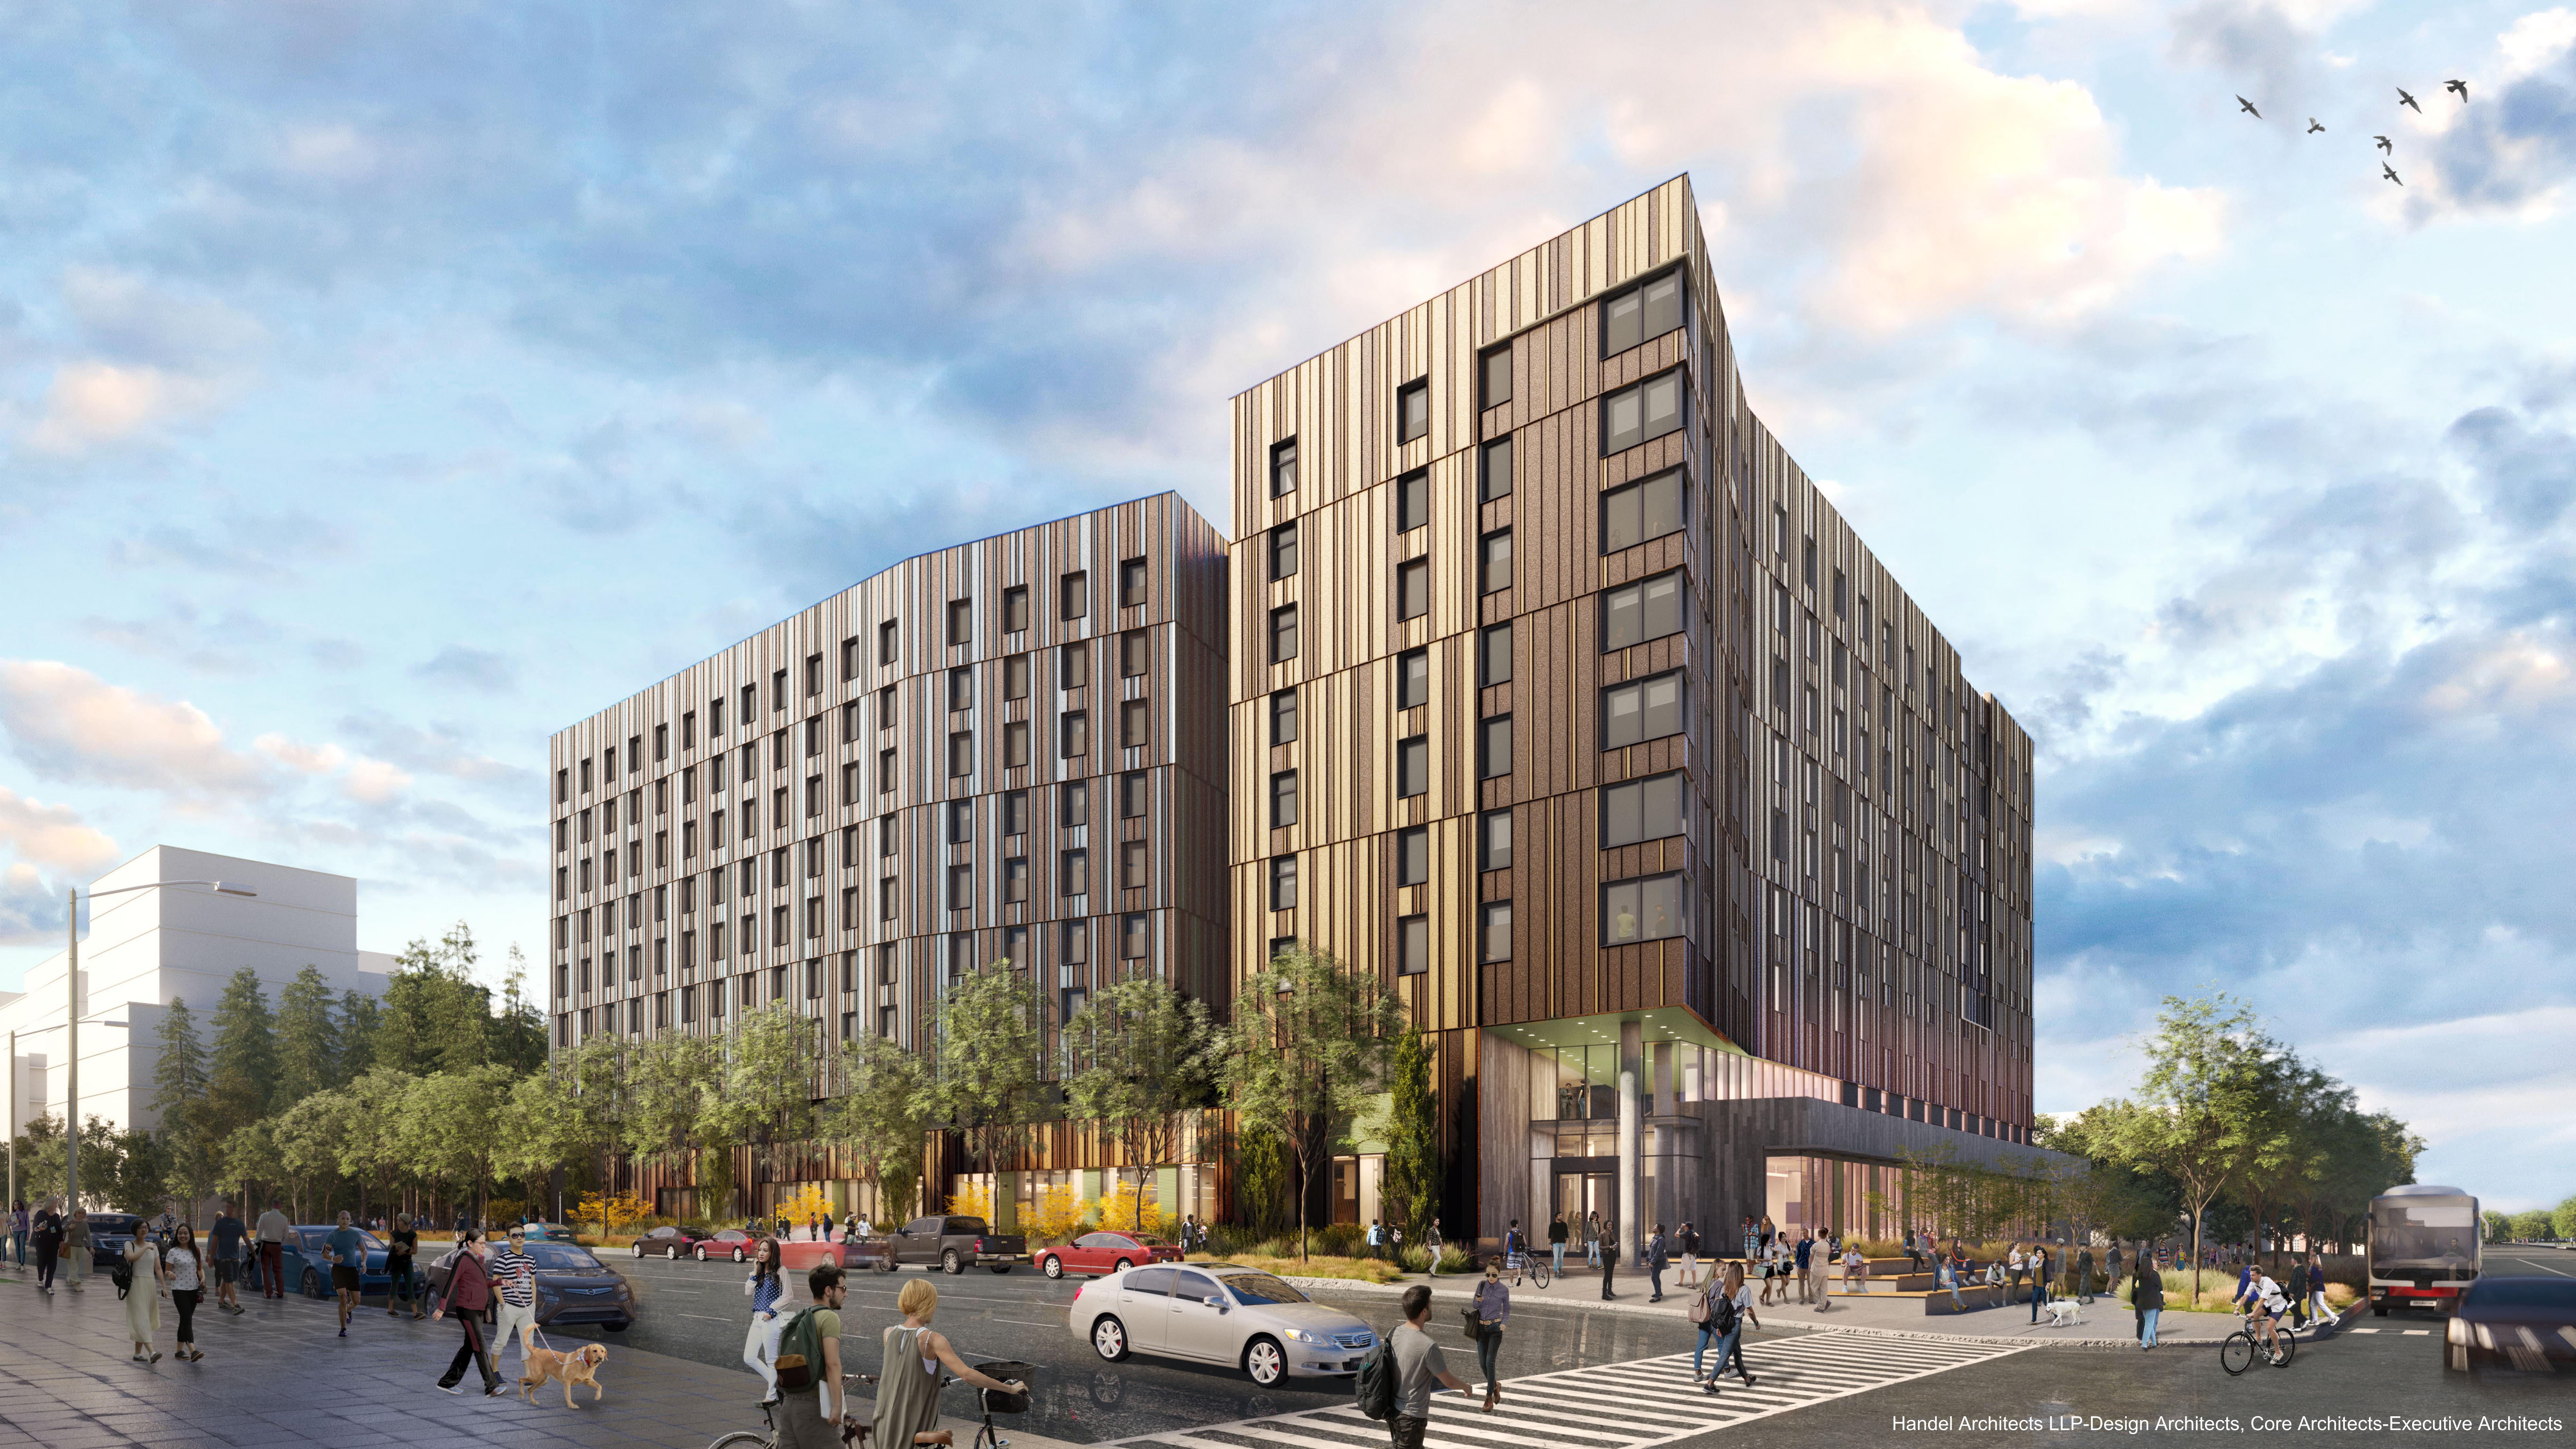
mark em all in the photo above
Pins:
pixel 1011 748
pixel 1566 701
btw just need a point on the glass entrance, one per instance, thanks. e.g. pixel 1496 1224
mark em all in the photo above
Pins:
pixel 1581 1194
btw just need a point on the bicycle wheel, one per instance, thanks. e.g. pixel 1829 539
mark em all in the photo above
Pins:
pixel 2289 1345
pixel 1538 1272
pixel 2236 1355
pixel 745 1439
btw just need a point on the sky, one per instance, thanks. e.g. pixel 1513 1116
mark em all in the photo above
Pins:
pixel 385 386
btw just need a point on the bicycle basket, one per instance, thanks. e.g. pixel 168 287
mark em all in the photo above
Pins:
pixel 997 1402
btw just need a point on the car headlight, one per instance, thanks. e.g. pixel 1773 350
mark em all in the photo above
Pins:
pixel 1302 1336
pixel 2457 1332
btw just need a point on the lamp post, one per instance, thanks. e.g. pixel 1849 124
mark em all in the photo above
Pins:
pixel 71 1024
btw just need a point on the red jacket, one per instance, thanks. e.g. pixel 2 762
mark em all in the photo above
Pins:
pixel 470 1290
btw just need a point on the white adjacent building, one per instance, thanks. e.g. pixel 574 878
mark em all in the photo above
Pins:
pixel 147 948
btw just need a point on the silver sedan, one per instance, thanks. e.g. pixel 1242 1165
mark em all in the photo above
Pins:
pixel 1218 1313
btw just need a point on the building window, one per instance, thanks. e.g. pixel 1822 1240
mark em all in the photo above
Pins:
pixel 888 895
pixel 1809 555
pixel 886 642
pixel 888 834
pixel 1283 633
pixel 1648 609
pixel 961 689
pixel 1133 865
pixel 886 963
pixel 1494 747
pixel 1077 734
pixel 1648 909
pixel 1842 596
pixel 1015 608
pixel 849 669
pixel 961 753
pixel 1412 766
pixel 885 708
pixel 1413 856
pixel 1495 561
pixel 1073 804
pixel 1648 809
pixel 1641 313
pixel 1015 878
pixel 1413 410
pixel 961 887
pixel 1131 583
pixel 662 732
pixel 1073 666
pixel 777 695
pixel 1413 588
pixel 1495 470
pixel 1133 794
pixel 563 786
pixel 1015 745
pixel 1494 939
pixel 1642 413
pixel 1073 595
pixel 1283 551
pixel 813 917
pixel 1073 873
pixel 1412 945
pixel 1015 677
pixel 1132 937
pixel 1283 717
pixel 1283 883
pixel 1494 656
pixel 1134 651
pixel 1283 799
pixel 1283 468
pixel 1413 500
pixel 1015 813
pixel 886 1022
pixel 1413 679
pixel 1494 372
pixel 1648 508
pixel 1647 709
pixel 715 717
pixel 961 821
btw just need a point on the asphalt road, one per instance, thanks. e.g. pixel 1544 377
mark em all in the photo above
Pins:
pixel 698 1311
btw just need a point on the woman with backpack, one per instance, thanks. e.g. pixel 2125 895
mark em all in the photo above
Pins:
pixel 142 1300
pixel 759 1346
pixel 1721 1312
pixel 1493 1308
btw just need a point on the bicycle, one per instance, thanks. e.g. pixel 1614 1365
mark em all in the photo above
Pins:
pixel 2237 1354
pixel 854 1434
pixel 1530 1263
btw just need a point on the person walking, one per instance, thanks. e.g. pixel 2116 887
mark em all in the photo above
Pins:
pixel 514 1277
pixel 1730 1311
pixel 1798 1258
pixel 1819 1266
pixel 760 1341
pixel 2298 1286
pixel 79 1250
pixel 1432 1244
pixel 2014 1267
pixel 148 1283
pixel 1592 1237
pixel 224 1242
pixel 1493 1303
pixel 1515 1248
pixel 1376 1236
pixel 2147 1298
pixel 2038 1279
pixel 2317 1291
pixel 1421 1370
pixel 1556 1236
pixel 47 1236
pixel 347 1248
pixel 2111 1266
pixel 1609 1265
pixel 187 1286
pixel 2084 1271
pixel 18 1222
pixel 1656 1259
pixel 1688 1240
pixel 402 1250
pixel 468 1296
pixel 907 1406
pixel 273 1229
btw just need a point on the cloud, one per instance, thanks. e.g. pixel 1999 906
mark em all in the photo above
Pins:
pixel 232 642
pixel 67 724
pixel 470 668
pixel 136 319
pixel 374 782
pixel 299 756
pixel 31 912
pixel 260 545
pixel 439 749
pixel 2512 151
pixel 90 404
pixel 53 836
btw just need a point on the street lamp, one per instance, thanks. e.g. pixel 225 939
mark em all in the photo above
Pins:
pixel 71 1024
pixel 12 1123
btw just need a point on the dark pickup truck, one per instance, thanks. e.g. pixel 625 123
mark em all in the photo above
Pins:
pixel 957 1243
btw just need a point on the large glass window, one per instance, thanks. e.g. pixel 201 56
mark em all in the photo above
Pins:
pixel 1283 551
pixel 1647 709
pixel 1283 468
pixel 1494 660
pixel 1574 1083
pixel 1413 765
pixel 1647 508
pixel 1413 855
pixel 1412 501
pixel 1648 809
pixel 1413 588
pixel 1642 413
pixel 1412 678
pixel 1646 609
pixel 1498 375
pixel 1497 469
pixel 1412 410
pixel 1646 909
pixel 1642 312
pixel 1495 844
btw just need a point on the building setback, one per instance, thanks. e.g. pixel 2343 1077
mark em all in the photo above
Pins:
pixel 1563 700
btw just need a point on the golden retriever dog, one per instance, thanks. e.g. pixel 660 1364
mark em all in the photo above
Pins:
pixel 580 1366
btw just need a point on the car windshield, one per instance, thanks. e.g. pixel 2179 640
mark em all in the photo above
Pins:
pixel 562 1257
pixel 2423 1232
pixel 1148 1240
pixel 1255 1289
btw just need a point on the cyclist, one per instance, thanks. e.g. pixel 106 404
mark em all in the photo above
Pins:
pixel 1513 1248
pixel 2266 1305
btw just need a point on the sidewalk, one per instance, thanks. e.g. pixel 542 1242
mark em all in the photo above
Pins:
pixel 2106 1323
pixel 280 1377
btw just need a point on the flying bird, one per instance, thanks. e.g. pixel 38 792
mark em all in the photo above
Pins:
pixel 2404 99
pixel 2458 88
pixel 2313 127
pixel 2383 143
pixel 2247 107
pixel 2384 170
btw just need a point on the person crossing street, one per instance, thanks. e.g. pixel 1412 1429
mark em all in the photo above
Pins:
pixel 514 1274
pixel 469 1293
pixel 273 1229
pixel 348 1249
pixel 225 1242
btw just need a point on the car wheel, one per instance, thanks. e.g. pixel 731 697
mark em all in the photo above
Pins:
pixel 737 1255
pixel 639 1250
pixel 618 1327
pixel 1124 1264
pixel 950 1263
pixel 885 1265
pixel 1052 1266
pixel 701 1251
pixel 312 1284
pixel 674 1254
pixel 1001 1267
pixel 1109 1338
pixel 1263 1360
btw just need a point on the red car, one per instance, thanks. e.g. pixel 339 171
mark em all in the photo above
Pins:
pixel 1108 1252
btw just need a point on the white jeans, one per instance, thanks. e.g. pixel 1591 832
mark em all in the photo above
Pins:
pixel 513 1322
pixel 760 1346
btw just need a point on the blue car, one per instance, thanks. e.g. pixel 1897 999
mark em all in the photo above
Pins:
pixel 304 1263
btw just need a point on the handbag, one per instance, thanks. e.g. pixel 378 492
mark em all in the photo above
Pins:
pixel 1475 1324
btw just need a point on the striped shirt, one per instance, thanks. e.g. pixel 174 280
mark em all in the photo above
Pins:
pixel 515 1274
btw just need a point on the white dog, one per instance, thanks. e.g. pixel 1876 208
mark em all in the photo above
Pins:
pixel 2064 1312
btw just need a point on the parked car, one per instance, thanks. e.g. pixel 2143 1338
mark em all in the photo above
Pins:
pixel 957 1243
pixel 1106 1252
pixel 2516 1323
pixel 304 1264
pixel 548 1233
pixel 574 1287
pixel 669 1242
pixel 1219 1313
pixel 875 1255
pixel 109 1233
pixel 731 1243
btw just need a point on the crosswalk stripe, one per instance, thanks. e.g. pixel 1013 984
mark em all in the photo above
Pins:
pixel 1635 1405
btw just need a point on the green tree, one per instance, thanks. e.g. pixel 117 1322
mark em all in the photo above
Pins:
pixel 983 1077
pixel 2531 1226
pixel 241 1072
pixel 1305 1055
pixel 518 1034
pixel 359 1021
pixel 252 1162
pixel 1410 1188
pixel 569 1113
pixel 309 1057
pixel 435 1016
pixel 453 1122
pixel 188 1142
pixel 311 1136
pixel 877 1114
pixel 135 1169
pixel 668 1079
pixel 766 1093
pixel 2203 1113
pixel 1141 1054
pixel 2499 1225
pixel 2562 1219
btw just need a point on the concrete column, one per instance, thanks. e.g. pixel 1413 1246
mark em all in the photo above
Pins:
pixel 1632 1040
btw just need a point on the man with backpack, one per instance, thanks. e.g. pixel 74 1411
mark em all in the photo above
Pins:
pixel 1399 1376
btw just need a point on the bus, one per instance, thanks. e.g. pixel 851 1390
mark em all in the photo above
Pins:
pixel 2423 1247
